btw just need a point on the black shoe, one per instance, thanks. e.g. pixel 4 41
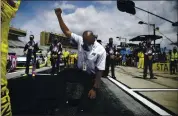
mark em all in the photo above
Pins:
pixel 114 77
pixel 105 76
pixel 152 77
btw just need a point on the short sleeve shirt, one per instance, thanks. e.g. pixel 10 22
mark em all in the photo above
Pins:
pixel 94 59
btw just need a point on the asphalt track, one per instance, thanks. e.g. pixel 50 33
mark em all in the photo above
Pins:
pixel 39 96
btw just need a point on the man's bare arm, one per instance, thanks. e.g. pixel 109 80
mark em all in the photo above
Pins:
pixel 98 79
pixel 63 26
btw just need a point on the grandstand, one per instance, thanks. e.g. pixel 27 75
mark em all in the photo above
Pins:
pixel 47 37
pixel 15 45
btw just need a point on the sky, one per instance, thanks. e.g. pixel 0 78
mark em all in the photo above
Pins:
pixel 102 17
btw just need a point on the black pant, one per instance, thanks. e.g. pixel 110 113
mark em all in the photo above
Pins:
pixel 28 59
pixel 148 63
pixel 55 62
pixel 176 63
pixel 173 67
pixel 110 62
pixel 66 62
pixel 77 84
pixel 75 63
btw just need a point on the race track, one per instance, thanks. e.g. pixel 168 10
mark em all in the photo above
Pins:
pixel 40 96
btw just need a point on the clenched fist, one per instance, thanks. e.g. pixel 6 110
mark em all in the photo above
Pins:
pixel 92 94
pixel 58 11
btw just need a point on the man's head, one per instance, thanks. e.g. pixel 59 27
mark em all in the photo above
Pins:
pixel 55 41
pixel 88 39
pixel 110 40
pixel 31 37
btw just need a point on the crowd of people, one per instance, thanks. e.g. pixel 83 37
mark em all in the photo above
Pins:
pixel 59 56
pixel 136 57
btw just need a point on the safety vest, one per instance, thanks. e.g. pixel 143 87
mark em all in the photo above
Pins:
pixel 140 55
pixel 7 13
pixel 174 56
pixel 76 56
pixel 66 54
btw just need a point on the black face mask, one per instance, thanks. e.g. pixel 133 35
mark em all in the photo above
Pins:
pixel 85 47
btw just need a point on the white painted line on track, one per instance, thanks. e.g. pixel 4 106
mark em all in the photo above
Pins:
pixel 16 72
pixel 141 99
pixel 42 74
pixel 154 89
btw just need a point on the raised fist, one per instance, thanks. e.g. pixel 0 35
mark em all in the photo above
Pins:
pixel 58 11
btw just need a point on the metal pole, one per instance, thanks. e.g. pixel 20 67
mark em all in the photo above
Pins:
pixel 154 15
pixel 177 38
pixel 154 34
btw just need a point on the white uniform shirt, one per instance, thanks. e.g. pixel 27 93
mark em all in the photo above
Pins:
pixel 94 59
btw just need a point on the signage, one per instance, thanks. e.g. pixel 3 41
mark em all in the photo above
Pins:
pixel 161 67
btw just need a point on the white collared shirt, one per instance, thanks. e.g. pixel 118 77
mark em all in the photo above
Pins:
pixel 94 59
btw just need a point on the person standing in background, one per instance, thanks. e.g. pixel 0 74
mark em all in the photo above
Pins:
pixel 173 63
pixel 148 59
pixel 56 52
pixel 110 58
pixel 30 51
pixel 8 11
pixel 66 57
pixel 141 59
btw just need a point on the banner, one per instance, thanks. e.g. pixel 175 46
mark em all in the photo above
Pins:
pixel 161 67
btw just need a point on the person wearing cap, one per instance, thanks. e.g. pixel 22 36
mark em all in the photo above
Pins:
pixel 30 51
pixel 91 61
pixel 174 59
pixel 148 59
pixel 141 57
pixel 56 52
pixel 110 58
pixel 8 12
